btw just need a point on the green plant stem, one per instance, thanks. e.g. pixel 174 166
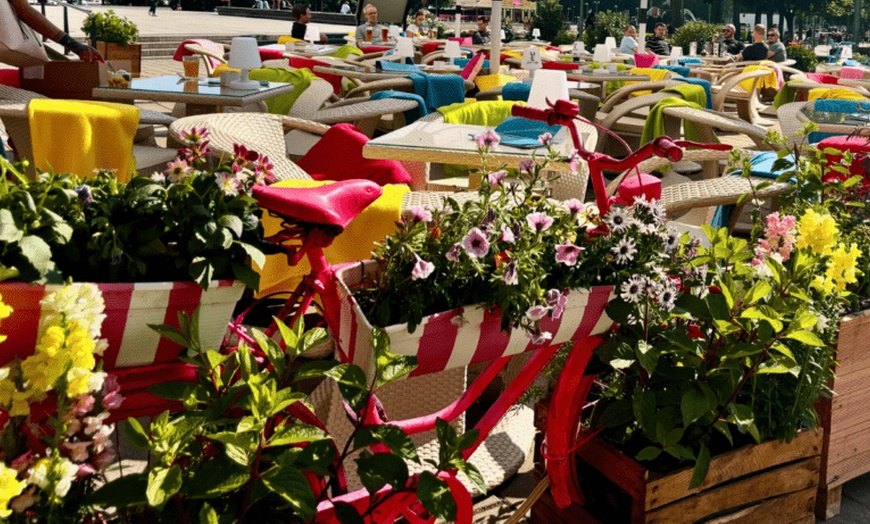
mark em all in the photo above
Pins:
pixel 254 477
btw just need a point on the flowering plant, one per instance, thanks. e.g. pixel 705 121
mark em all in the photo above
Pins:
pixel 512 249
pixel 740 355
pixel 190 222
pixel 54 443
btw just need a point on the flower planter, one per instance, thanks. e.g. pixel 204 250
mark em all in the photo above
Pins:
pixel 749 484
pixel 127 57
pixel 472 334
pixel 129 310
pixel 845 418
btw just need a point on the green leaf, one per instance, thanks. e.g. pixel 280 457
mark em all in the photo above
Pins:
pixel 163 483
pixel 389 366
pixel 702 465
pixel 694 405
pixel 347 514
pixel 648 453
pixel 392 436
pixel 351 383
pixel 290 336
pixel 759 291
pixel 314 369
pixel 806 337
pixel 647 356
pixel 125 491
pixel 616 414
pixel 207 514
pixel 717 304
pixel 296 433
pixel 257 256
pixel 216 477
pixel 237 454
pixel 233 223
pixel 378 470
pixel 435 496
pixel 135 434
pixel 291 485
pixel 644 407
pixel 272 350
pixel 37 252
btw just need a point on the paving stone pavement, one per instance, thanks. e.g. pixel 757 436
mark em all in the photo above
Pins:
pixel 500 505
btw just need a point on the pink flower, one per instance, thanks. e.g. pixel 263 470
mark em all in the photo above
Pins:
pixel 495 179
pixel 539 221
pixel 83 404
pixel 536 312
pixel 511 275
pixel 78 451
pixel 541 337
pixel 229 183
pixel 545 139
pixel 526 166
pixel 264 171
pixel 574 206
pixel 242 156
pixel 112 398
pixel 178 170
pixel 453 253
pixel 195 136
pixel 422 269
pixel 779 238
pixel 475 243
pixel 567 253
pixel 488 139
pixel 420 214
pixel 507 235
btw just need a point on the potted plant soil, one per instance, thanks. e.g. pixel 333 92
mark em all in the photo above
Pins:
pixel 115 38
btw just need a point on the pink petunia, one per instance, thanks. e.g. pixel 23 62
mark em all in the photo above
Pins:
pixel 545 139
pixel 475 243
pixel 420 214
pixel 488 139
pixel 453 253
pixel 540 222
pixel 567 253
pixel 511 275
pixel 526 166
pixel 422 269
pixel 574 206
pixel 507 234
pixel 495 179
pixel 537 312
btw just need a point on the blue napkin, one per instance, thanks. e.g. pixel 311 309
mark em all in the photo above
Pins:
pixel 686 60
pixel 411 115
pixel 397 66
pixel 841 106
pixel 762 166
pixel 462 62
pixel 850 62
pixel 680 70
pixel 700 82
pixel 516 91
pixel 438 90
pixel 522 132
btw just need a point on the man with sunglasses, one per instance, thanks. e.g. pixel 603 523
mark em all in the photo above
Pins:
pixel 730 45
pixel 776 49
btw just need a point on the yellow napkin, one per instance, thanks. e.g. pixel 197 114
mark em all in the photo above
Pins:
pixel 766 81
pixel 355 243
pixel 488 113
pixel 75 136
pixel 288 39
pixel 654 76
pixel 833 93
pixel 223 67
pixel 484 82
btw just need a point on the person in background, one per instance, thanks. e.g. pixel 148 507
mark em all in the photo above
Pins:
pixel 657 44
pixel 370 13
pixel 43 26
pixel 482 35
pixel 758 50
pixel 303 17
pixel 629 45
pixel 152 11
pixel 416 27
pixel 345 8
pixel 776 49
pixel 731 46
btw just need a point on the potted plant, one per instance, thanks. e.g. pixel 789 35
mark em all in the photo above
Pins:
pixel 698 31
pixel 157 245
pixel 115 38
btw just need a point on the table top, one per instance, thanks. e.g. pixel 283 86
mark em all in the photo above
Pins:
pixel 172 88
pixel 833 122
pixel 443 143
pixel 359 73
pixel 588 76
pixel 303 49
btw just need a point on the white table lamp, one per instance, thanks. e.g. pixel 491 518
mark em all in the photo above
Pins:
pixel 244 55
pixel 312 34
pixel 394 32
pixel 676 52
pixel 536 33
pixel 610 42
pixel 846 52
pixel 452 51
pixel 503 36
pixel 549 85
pixel 404 47
pixel 531 59
pixel 601 54
pixel 579 49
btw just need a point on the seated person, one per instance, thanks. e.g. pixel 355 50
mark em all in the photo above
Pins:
pixel 303 17
pixel 657 44
pixel 417 27
pixel 481 36
pixel 629 45
pixel 371 14
pixel 776 49
pixel 729 44
pixel 42 25
pixel 758 49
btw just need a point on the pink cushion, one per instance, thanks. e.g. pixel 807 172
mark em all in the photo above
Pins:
pixel 463 40
pixel 560 66
pixel 822 78
pixel 324 162
pixel 859 148
pixel 431 47
pixel 634 185
pixel 644 60
pixel 208 44
pixel 851 72
pixel 469 72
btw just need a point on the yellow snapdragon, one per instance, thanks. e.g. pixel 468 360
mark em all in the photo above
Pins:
pixel 10 487
pixel 818 232
pixel 5 311
pixel 841 271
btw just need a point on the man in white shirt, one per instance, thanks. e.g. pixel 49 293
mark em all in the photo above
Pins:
pixel 370 13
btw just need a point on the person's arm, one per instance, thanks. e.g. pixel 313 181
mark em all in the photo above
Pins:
pixel 43 26
pixel 770 53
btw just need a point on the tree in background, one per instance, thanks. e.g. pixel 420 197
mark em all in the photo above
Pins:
pixel 549 18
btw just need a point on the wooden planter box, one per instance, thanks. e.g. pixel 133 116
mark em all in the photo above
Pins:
pixel 126 57
pixel 773 481
pixel 845 418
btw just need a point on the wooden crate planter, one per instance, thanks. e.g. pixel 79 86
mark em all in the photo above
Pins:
pixel 773 481
pixel 127 57
pixel 845 418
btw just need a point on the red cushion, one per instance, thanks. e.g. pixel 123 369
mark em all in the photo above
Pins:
pixel 823 78
pixel 561 66
pixel 431 47
pixel 271 54
pixel 860 150
pixel 338 156
pixel 307 63
pixel 374 48
pixel 9 77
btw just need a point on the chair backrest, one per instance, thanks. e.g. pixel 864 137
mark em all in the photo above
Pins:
pixel 312 99
pixel 389 11
pixel 211 58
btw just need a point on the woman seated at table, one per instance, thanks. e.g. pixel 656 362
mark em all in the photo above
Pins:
pixel 417 27
pixel 44 27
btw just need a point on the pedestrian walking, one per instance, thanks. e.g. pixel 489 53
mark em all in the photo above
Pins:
pixel 153 10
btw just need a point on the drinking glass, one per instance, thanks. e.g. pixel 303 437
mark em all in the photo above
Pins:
pixel 369 35
pixel 191 66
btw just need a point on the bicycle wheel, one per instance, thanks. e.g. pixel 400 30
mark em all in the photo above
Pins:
pixel 563 420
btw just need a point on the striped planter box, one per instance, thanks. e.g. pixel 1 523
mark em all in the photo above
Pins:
pixel 442 342
pixel 129 310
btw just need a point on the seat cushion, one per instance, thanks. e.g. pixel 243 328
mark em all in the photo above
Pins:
pixel 860 150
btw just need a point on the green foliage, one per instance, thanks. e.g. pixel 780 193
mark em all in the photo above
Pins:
pixel 695 31
pixel 564 38
pixel 109 27
pixel 549 18
pixel 805 59
pixel 607 23
pixel 243 450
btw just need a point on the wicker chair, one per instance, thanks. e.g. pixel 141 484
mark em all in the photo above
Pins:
pixel 729 91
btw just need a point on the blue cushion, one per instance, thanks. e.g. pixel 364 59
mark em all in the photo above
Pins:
pixel 522 132
pixel 762 166
pixel 516 91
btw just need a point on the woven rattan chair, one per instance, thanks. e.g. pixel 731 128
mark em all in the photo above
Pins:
pixel 588 103
pixel 206 54
pixel 729 91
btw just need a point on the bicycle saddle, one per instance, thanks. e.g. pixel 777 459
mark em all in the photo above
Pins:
pixel 333 204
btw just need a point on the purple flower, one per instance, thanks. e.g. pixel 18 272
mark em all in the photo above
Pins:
pixel 526 166
pixel 475 243
pixel 545 139
pixel 557 302
pixel 574 206
pixel 539 221
pixel 487 140
pixel 541 337
pixel 567 253
pixel 422 269
pixel 507 235
pixel 420 214
pixel 536 312
pixel 496 178
pixel 510 275
pixel 178 170
pixel 453 253
pixel 86 198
